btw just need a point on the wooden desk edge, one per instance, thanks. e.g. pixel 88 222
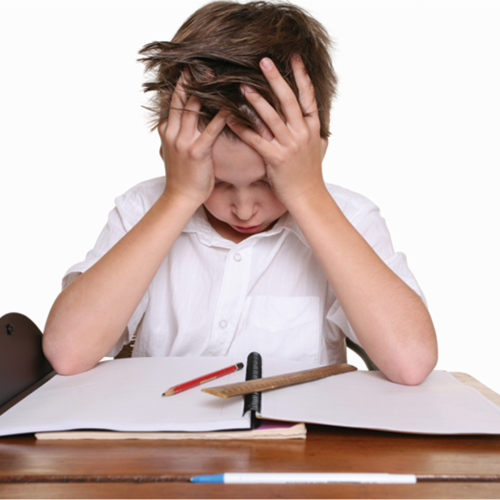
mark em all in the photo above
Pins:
pixel 470 381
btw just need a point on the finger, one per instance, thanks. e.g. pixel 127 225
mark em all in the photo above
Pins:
pixel 213 129
pixel 178 101
pixel 189 119
pixel 307 97
pixel 267 113
pixel 289 104
pixel 250 137
pixel 262 128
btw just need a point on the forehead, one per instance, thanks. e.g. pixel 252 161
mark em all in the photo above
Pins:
pixel 236 162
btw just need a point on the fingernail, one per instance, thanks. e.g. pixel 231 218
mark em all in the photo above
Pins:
pixel 296 57
pixel 246 88
pixel 266 63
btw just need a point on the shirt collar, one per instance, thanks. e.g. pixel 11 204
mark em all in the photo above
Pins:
pixel 207 235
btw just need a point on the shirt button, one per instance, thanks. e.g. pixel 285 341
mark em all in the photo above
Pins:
pixel 223 323
pixel 237 257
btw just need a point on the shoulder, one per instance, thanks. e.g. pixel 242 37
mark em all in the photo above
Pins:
pixel 140 198
pixel 351 203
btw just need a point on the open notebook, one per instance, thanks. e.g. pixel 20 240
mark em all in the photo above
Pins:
pixel 126 395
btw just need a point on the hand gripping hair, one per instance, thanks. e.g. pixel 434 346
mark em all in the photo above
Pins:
pixel 222 44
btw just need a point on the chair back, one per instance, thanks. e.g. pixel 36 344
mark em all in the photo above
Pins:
pixel 22 362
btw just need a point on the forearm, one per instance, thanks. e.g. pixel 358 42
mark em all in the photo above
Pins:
pixel 389 318
pixel 90 314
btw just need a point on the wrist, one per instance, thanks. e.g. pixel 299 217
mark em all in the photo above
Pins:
pixel 182 199
pixel 174 199
pixel 309 197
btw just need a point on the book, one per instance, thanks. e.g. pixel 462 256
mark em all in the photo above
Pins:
pixel 125 395
pixel 267 430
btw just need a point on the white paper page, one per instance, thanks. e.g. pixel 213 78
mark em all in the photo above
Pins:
pixel 126 395
pixel 362 399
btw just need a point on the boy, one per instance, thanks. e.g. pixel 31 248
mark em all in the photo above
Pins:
pixel 242 246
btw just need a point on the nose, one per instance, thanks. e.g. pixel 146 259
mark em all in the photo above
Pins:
pixel 244 207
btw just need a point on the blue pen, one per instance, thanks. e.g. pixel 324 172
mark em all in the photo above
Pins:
pixel 305 477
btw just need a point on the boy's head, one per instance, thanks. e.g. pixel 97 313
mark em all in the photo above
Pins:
pixel 222 44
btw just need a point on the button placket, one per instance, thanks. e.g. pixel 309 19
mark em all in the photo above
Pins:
pixel 232 296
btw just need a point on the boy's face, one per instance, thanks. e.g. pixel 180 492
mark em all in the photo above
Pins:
pixel 242 202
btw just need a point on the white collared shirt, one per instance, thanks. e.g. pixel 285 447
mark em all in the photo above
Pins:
pixel 268 293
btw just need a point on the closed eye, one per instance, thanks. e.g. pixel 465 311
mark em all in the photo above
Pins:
pixel 261 182
pixel 264 183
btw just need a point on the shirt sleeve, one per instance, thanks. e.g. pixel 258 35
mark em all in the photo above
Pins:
pixel 129 209
pixel 371 225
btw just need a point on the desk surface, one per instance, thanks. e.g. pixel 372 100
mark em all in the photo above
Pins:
pixel 157 468
pixel 458 466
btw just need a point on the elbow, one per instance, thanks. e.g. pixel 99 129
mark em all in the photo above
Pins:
pixel 64 363
pixel 65 346
pixel 415 369
pixel 413 377
pixel 65 368
pixel 416 357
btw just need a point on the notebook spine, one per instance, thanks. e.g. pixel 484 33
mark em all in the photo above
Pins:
pixel 253 401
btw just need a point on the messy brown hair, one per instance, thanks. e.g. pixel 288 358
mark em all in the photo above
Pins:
pixel 222 44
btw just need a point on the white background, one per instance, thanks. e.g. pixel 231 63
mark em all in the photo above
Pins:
pixel 416 127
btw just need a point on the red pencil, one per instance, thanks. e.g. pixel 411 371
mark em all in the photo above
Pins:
pixel 203 379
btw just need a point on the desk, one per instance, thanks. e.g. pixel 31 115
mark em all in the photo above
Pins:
pixel 159 469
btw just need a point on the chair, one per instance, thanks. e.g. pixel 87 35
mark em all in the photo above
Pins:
pixel 23 366
pixel 361 353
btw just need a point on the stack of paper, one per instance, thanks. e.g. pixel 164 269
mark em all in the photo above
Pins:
pixel 126 395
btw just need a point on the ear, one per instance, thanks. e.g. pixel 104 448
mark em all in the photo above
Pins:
pixel 324 147
pixel 164 158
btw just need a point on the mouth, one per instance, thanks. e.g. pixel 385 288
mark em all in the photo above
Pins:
pixel 248 229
